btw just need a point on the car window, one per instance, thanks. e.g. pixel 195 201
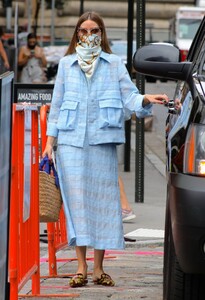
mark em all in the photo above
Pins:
pixel 201 59
pixel 178 121
pixel 183 99
pixel 180 98
pixel 199 71
pixel 178 118
pixel 194 49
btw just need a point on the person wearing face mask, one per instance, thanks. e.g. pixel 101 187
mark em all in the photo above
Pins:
pixel 32 61
pixel 91 92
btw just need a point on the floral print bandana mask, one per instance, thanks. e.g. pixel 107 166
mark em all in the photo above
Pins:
pixel 88 50
pixel 89 41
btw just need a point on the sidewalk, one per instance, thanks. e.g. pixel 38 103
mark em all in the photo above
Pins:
pixel 137 270
pixel 151 213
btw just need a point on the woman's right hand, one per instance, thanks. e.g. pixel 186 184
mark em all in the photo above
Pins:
pixel 49 147
pixel 48 151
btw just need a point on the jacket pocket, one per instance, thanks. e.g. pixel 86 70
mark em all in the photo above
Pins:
pixel 68 115
pixel 111 113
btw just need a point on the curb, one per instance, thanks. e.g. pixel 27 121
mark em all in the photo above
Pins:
pixel 146 243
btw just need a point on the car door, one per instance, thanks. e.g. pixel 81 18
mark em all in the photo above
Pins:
pixel 186 106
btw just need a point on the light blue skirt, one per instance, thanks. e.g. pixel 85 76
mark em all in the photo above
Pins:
pixel 89 185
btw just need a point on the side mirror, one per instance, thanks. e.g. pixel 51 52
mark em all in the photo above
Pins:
pixel 161 60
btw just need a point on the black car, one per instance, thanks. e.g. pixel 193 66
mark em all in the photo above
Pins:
pixel 184 245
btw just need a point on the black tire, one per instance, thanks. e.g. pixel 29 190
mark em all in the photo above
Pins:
pixel 178 285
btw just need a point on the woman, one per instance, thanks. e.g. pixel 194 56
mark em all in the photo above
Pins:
pixel 32 61
pixel 92 91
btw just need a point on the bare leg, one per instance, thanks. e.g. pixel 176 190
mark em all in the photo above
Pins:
pixel 80 279
pixel 81 255
pixel 99 276
pixel 98 263
pixel 123 197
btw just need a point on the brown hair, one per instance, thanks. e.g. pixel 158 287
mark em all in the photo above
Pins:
pixel 98 20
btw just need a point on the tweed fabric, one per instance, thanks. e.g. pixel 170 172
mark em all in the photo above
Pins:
pixel 110 93
pixel 90 192
pixel 87 117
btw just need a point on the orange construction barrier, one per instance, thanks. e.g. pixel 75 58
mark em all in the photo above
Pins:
pixel 24 258
pixel 57 236
pixel 24 244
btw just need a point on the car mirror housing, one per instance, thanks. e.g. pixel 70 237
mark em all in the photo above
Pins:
pixel 161 60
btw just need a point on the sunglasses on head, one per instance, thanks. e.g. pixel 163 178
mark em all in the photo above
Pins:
pixel 85 31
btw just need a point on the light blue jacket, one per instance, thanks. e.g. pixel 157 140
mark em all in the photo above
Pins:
pixel 96 105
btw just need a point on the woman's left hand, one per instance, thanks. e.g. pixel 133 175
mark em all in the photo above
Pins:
pixel 155 99
pixel 6 65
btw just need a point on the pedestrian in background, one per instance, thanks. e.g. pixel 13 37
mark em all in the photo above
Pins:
pixel 32 61
pixel 3 54
pixel 91 90
pixel 127 212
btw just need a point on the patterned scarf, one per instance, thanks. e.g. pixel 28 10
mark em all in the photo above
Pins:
pixel 88 50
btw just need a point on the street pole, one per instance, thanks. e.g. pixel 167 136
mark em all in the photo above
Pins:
pixel 53 22
pixel 129 68
pixel 16 41
pixel 7 4
pixel 42 21
pixel 81 7
pixel 139 153
pixel 29 15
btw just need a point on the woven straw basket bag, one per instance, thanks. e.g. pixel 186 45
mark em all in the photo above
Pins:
pixel 50 200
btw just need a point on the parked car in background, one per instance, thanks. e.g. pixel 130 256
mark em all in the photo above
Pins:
pixel 119 47
pixel 184 25
pixel 184 246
